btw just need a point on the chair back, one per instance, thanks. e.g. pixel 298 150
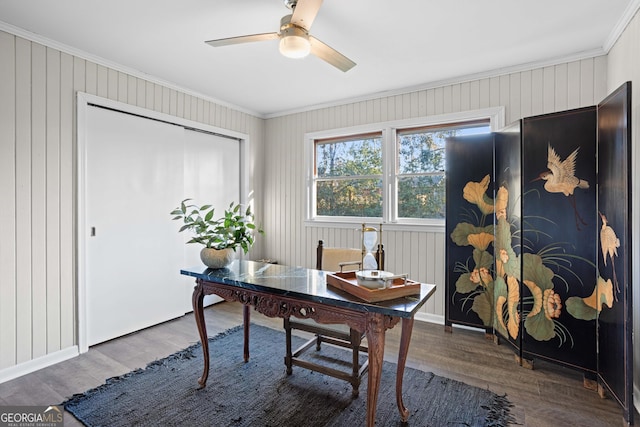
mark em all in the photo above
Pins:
pixel 329 258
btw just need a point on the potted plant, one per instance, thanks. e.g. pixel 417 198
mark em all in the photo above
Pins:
pixel 221 237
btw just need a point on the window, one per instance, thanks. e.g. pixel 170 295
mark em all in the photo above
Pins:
pixel 420 161
pixel 392 172
pixel 349 176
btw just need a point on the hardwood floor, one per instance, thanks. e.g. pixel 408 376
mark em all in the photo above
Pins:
pixel 547 396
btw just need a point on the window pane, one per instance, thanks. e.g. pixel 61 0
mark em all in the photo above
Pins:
pixel 422 150
pixel 362 156
pixel 349 197
pixel 421 197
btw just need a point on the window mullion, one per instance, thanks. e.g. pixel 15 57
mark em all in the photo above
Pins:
pixel 390 201
pixel 348 177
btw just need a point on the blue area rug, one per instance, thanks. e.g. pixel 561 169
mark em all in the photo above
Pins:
pixel 259 393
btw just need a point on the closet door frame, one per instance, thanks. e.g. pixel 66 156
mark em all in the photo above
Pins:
pixel 84 102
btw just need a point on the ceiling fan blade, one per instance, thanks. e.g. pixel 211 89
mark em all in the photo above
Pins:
pixel 243 39
pixel 305 12
pixel 329 54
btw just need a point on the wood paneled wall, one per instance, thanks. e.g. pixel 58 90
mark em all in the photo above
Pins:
pixel 38 87
pixel 624 65
pixel 416 252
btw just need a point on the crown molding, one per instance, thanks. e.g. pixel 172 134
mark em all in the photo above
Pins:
pixel 20 32
pixel 618 29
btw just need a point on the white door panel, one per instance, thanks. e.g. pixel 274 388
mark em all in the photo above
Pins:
pixel 134 253
pixel 211 176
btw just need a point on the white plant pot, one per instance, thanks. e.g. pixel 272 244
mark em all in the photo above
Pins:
pixel 217 258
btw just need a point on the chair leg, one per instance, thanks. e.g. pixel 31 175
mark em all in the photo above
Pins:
pixel 289 352
pixel 353 341
pixel 356 340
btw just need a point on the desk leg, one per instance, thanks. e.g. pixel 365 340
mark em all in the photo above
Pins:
pixel 246 318
pixel 198 312
pixel 375 341
pixel 405 338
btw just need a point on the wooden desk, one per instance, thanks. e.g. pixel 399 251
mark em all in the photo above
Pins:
pixel 282 291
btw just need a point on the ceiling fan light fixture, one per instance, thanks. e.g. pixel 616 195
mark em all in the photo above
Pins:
pixel 294 42
pixel 295 46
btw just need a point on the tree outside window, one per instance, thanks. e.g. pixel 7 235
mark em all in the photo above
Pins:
pixel 349 176
pixel 420 168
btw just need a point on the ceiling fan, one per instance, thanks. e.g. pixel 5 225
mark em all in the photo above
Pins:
pixel 295 41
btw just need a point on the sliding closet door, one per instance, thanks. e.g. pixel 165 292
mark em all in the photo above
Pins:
pixel 134 178
pixel 212 177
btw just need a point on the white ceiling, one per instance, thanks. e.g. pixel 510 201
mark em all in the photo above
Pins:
pixel 397 44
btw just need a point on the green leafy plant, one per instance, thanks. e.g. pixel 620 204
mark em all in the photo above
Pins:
pixel 232 230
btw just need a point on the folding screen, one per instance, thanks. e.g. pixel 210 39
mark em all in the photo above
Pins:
pixel 469 258
pixel 615 358
pixel 557 205
pixel 559 237
pixel 508 235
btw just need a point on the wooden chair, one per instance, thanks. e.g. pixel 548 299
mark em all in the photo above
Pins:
pixel 331 259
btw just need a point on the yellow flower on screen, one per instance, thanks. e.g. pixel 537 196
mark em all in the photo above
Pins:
pixel 475 192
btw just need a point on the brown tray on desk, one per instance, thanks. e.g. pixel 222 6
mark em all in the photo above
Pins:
pixel 349 283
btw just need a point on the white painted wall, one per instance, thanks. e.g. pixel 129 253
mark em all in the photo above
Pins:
pixel 624 65
pixel 38 284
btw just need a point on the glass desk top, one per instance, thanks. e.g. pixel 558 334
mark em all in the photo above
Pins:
pixel 304 284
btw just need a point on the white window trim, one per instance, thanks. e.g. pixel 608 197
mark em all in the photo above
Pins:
pixel 496 116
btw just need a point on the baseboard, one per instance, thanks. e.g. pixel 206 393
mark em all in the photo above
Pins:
pixel 429 317
pixel 438 319
pixel 21 369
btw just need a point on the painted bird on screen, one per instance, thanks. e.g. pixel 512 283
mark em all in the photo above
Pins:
pixel 560 178
pixel 609 243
